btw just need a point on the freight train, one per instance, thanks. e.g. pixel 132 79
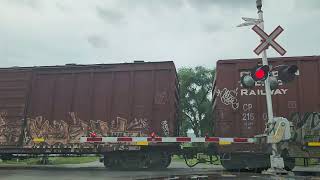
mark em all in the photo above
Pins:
pixel 129 113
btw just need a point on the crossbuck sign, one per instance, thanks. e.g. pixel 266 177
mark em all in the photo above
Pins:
pixel 267 40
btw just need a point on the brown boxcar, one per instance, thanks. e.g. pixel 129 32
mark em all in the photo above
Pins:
pixel 54 106
pixel 241 112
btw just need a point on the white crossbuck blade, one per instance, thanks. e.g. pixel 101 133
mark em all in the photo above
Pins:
pixel 268 40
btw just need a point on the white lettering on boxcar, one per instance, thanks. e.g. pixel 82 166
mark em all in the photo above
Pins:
pixel 247 107
pixel 261 92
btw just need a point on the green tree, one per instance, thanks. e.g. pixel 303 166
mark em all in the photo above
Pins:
pixel 195 99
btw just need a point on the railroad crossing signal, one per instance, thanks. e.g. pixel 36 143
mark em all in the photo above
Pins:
pixel 259 73
pixel 287 73
pixel 267 40
pixel 247 81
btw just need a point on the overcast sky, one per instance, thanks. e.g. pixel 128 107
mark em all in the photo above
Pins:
pixel 189 32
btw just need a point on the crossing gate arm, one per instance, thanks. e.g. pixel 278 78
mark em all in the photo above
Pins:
pixel 219 140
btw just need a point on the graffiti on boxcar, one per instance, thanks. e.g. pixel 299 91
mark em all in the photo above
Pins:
pixel 165 127
pixel 3 117
pixel 3 127
pixel 121 127
pixel 138 124
pixel 9 133
pixel 229 97
pixel 119 124
pixel 161 97
pixel 70 130
pixel 307 126
pixel 101 127
pixel 77 129
pixel 308 120
pixel 58 132
pixel 39 127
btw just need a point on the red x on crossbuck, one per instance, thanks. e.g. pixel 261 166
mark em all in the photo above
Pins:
pixel 267 40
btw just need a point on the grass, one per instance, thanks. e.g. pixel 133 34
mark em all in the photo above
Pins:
pixel 53 160
pixel 177 158
pixel 299 161
pixel 29 161
pixel 73 160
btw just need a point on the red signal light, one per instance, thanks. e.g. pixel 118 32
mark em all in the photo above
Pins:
pixel 93 134
pixel 153 135
pixel 260 73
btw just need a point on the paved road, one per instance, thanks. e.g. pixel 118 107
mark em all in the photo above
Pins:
pixel 96 171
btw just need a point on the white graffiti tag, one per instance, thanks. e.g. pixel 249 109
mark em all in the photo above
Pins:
pixel 165 127
pixel 229 97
